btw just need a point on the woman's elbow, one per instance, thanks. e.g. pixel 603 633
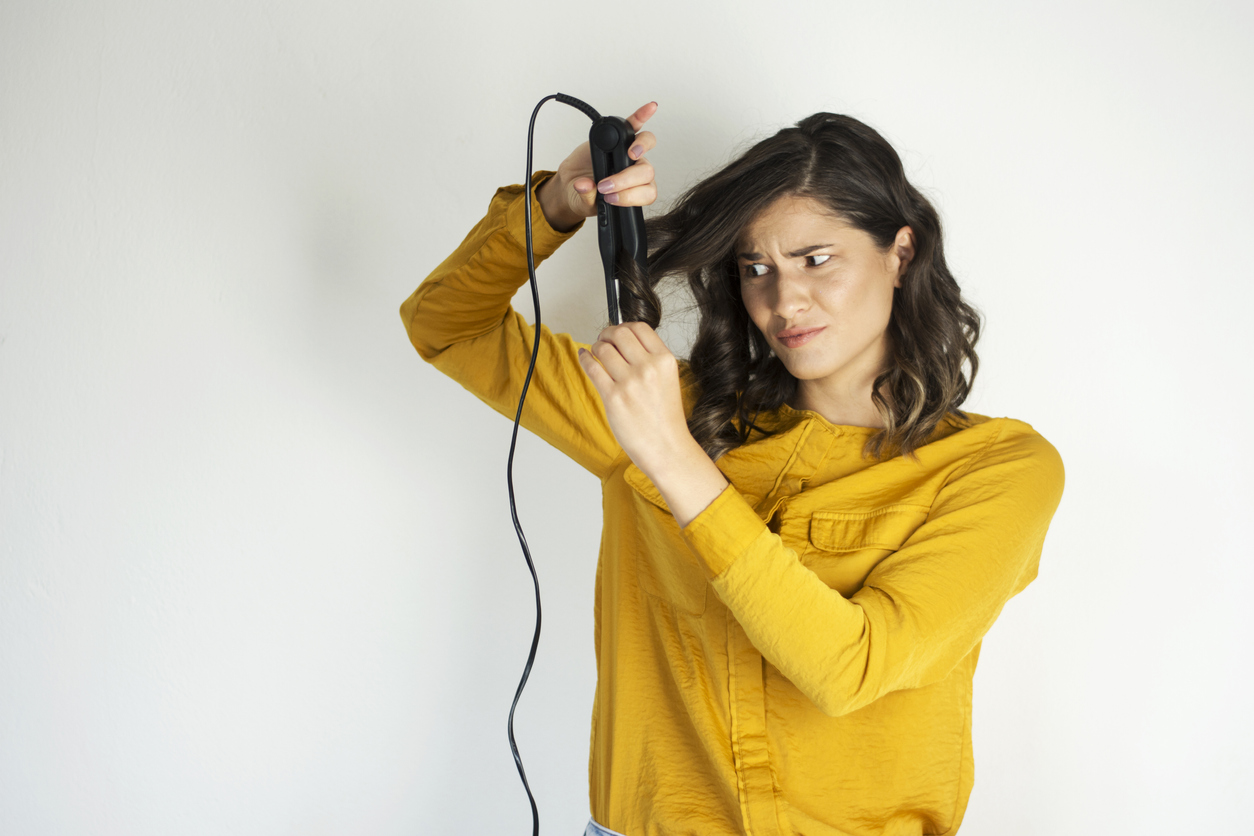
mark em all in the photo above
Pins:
pixel 831 700
pixel 420 330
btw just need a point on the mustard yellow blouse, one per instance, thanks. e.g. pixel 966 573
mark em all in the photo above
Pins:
pixel 799 658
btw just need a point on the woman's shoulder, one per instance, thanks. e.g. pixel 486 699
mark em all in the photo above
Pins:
pixel 1006 442
pixel 1002 430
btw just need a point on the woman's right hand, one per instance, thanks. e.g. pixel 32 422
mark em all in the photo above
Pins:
pixel 570 196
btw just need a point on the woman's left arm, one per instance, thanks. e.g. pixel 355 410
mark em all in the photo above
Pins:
pixel 920 611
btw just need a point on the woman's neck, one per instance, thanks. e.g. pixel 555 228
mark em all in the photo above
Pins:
pixel 843 403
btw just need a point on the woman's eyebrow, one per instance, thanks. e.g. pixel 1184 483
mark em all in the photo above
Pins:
pixel 793 254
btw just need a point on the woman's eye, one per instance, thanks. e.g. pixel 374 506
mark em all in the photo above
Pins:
pixel 817 263
pixel 751 270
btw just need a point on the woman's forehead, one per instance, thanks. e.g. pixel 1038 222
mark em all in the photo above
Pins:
pixel 792 221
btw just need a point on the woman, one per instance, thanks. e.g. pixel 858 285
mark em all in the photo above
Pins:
pixel 804 540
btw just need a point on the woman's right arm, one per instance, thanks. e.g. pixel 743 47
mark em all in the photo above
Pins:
pixel 460 319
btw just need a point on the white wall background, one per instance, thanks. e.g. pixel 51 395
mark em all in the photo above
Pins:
pixel 257 574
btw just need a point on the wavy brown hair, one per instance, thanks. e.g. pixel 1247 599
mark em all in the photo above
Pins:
pixel 849 168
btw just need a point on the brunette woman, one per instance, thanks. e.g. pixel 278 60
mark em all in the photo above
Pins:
pixel 805 538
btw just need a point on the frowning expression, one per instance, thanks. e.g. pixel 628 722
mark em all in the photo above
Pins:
pixel 820 291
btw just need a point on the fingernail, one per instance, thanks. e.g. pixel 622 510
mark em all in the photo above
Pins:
pixel 611 198
pixel 582 188
pixel 605 186
pixel 636 151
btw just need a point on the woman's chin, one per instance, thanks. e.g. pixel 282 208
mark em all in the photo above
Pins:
pixel 802 370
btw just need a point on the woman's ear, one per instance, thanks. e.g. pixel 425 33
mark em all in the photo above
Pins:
pixel 903 249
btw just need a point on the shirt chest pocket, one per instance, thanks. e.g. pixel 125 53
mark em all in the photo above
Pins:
pixel 665 567
pixel 844 546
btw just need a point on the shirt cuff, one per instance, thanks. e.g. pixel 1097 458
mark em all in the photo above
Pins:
pixel 724 531
pixel 544 239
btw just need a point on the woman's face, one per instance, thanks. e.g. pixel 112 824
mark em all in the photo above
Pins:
pixel 821 292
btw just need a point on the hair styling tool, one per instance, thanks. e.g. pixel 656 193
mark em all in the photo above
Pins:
pixel 621 236
pixel 620 229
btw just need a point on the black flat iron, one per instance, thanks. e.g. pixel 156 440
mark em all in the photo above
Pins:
pixel 620 229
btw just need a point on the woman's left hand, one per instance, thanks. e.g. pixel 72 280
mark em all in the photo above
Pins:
pixel 638 379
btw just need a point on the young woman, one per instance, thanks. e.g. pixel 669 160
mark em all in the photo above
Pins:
pixel 805 540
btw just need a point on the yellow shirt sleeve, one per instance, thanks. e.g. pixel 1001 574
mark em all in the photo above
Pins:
pixel 921 610
pixel 460 320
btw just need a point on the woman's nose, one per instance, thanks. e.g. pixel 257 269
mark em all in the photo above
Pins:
pixel 792 296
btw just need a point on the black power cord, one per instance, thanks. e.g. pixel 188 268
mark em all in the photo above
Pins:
pixel 509 469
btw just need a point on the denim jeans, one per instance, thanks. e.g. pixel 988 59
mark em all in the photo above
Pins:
pixel 594 829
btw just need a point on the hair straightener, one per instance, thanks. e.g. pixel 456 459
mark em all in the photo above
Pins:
pixel 620 229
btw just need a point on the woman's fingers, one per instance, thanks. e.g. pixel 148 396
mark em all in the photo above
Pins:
pixel 633 186
pixel 611 359
pixel 586 194
pixel 618 348
pixel 633 175
pixel 648 338
pixel 593 369
pixel 629 344
pixel 638 196
pixel 641 116
pixel 577 190
pixel 644 143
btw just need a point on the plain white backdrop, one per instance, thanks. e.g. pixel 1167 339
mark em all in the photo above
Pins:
pixel 257 573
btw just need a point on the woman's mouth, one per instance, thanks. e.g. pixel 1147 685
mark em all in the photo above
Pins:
pixel 795 337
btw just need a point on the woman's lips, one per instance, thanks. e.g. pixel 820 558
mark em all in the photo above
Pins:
pixel 797 337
